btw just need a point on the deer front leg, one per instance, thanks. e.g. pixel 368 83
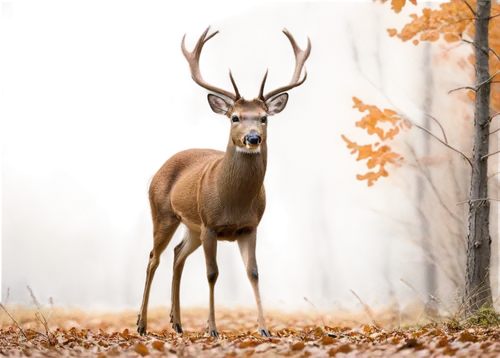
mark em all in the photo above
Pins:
pixel 247 246
pixel 209 240
pixel 189 243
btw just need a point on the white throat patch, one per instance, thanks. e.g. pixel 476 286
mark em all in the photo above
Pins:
pixel 248 150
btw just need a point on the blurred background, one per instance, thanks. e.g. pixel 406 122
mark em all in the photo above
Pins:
pixel 96 96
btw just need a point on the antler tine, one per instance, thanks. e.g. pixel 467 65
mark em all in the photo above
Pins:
pixel 300 58
pixel 193 59
pixel 234 85
pixel 261 92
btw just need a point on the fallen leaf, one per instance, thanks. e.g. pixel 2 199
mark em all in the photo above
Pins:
pixel 466 337
pixel 297 346
pixel 443 342
pixel 327 340
pixel 411 343
pixel 141 349
pixel 158 345
pixel 344 348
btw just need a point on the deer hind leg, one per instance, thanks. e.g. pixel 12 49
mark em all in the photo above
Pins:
pixel 164 229
pixel 247 246
pixel 190 242
pixel 209 240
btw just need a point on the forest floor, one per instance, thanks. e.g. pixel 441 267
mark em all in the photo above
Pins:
pixel 382 333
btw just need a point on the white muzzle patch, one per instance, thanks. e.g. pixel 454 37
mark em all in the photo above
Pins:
pixel 248 150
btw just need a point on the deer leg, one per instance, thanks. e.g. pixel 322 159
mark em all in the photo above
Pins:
pixel 209 240
pixel 190 242
pixel 247 249
pixel 162 235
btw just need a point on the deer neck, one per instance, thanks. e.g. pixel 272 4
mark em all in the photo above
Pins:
pixel 241 175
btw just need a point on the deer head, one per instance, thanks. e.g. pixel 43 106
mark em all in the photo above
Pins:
pixel 248 117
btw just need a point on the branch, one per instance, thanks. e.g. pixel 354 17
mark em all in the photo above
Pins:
pixel 434 118
pixel 488 80
pixel 492 175
pixel 459 88
pixel 473 44
pixel 426 162
pixel 494 52
pixel 482 48
pixel 493 16
pixel 431 183
pixel 496 130
pixel 400 113
pixel 471 9
pixel 473 200
pixel 478 86
pixel 489 155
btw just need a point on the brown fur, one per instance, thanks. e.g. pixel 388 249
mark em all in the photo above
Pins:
pixel 217 195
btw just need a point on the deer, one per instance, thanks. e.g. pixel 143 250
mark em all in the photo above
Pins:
pixel 217 196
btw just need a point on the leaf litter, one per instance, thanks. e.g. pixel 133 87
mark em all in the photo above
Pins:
pixel 299 334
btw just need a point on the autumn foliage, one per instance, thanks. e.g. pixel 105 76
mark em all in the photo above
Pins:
pixel 448 26
pixel 380 151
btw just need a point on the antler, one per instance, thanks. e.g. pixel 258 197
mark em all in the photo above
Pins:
pixel 300 58
pixel 193 59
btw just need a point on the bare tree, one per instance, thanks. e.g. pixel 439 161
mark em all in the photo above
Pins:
pixel 477 280
pixel 429 269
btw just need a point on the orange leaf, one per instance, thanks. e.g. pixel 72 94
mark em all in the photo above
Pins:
pixel 449 37
pixel 297 346
pixel 392 32
pixel 158 345
pixel 141 349
pixel 414 2
pixel 415 42
pixel 397 5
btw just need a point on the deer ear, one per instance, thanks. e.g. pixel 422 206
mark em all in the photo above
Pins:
pixel 277 104
pixel 218 104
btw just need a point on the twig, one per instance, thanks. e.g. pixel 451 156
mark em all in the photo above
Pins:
pixel 496 54
pixel 478 86
pixel 15 322
pixel 39 315
pixel 431 183
pixel 360 301
pixel 473 200
pixel 471 9
pixel 459 88
pixel 493 16
pixel 486 50
pixel 434 118
pixel 473 44
pixel 492 175
pixel 317 311
pixel 413 289
pixel 496 130
pixel 418 125
pixel 489 154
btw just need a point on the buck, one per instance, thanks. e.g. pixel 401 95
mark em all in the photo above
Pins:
pixel 217 195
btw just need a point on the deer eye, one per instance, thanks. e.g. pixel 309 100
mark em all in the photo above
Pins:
pixel 235 118
pixel 263 119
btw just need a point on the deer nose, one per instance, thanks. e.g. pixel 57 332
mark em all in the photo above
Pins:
pixel 253 138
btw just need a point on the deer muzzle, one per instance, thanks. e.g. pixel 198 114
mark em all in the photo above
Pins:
pixel 252 139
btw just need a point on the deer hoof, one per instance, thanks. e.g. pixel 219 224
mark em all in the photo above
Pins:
pixel 264 333
pixel 214 333
pixel 141 326
pixel 178 328
pixel 142 330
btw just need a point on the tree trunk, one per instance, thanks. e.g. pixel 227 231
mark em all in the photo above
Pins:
pixel 477 280
pixel 321 273
pixel 385 237
pixel 430 274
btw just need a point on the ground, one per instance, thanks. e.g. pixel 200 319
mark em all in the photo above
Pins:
pixel 364 334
